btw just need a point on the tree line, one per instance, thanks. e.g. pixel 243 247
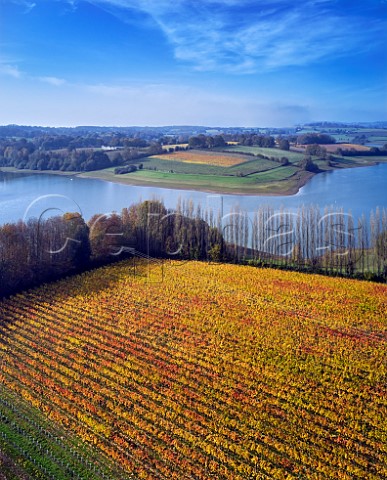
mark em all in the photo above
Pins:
pixel 41 250
pixel 217 141
pixel 56 142
pixel 372 152
pixel 315 138
pixel 330 241
pixel 85 153
pixel 23 154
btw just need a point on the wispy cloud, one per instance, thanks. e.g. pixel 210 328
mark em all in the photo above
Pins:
pixel 245 36
pixel 26 4
pixel 72 4
pixel 10 70
pixel 55 81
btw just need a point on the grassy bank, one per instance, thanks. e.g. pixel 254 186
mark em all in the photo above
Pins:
pixel 279 181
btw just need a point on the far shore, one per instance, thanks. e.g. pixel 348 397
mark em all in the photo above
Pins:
pixel 41 172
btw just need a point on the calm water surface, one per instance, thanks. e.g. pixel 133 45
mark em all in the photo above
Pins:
pixel 357 190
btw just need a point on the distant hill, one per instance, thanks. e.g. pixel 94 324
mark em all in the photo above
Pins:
pixel 27 131
pixel 379 124
pixel 155 132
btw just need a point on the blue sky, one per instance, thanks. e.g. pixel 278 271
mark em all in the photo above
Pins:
pixel 196 62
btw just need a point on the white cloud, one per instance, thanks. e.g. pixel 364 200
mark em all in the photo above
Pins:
pixel 10 70
pixel 55 81
pixel 73 4
pixel 245 36
pixel 26 4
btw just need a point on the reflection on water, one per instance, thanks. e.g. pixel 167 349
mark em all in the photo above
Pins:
pixel 357 190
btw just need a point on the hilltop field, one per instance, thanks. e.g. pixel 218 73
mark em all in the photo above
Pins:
pixel 235 169
pixel 188 370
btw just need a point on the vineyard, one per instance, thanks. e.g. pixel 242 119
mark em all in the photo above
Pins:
pixel 191 370
pixel 206 158
pixel 38 448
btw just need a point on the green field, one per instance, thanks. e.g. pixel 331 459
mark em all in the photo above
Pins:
pixel 279 181
pixel 378 139
pixel 377 136
pixel 269 152
pixel 275 174
pixel 343 138
pixel 280 173
pixel 359 161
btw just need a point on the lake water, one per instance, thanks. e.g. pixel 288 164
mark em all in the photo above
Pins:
pixel 357 190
